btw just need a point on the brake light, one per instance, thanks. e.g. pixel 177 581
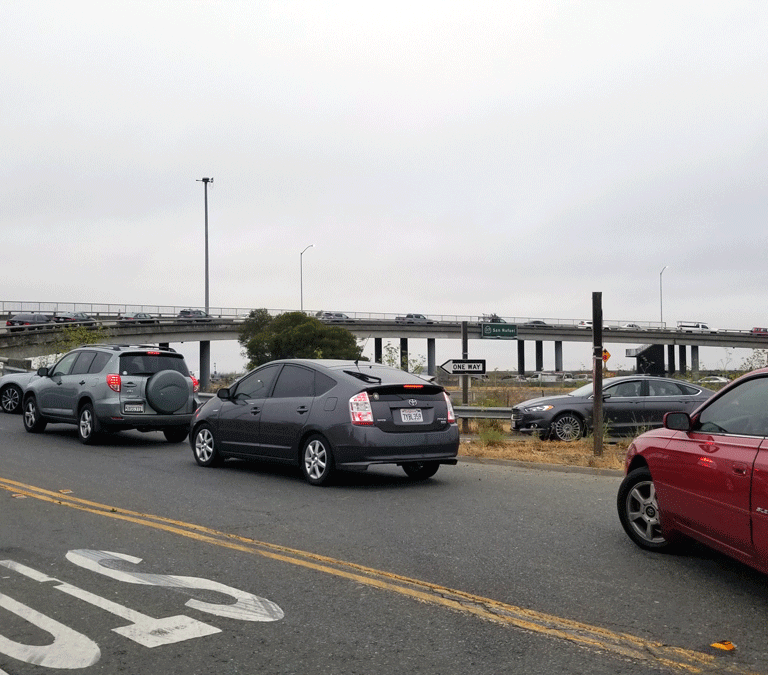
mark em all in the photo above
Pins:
pixel 154 353
pixel 449 405
pixel 360 410
pixel 195 384
pixel 114 382
pixel 413 386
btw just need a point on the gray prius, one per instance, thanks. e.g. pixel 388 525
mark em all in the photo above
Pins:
pixel 324 415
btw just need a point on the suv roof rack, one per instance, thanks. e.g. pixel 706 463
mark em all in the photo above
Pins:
pixel 117 347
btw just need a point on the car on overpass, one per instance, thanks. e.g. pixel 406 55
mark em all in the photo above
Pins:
pixel 138 317
pixel 29 321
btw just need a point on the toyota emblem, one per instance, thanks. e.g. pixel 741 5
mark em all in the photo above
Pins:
pixel 412 401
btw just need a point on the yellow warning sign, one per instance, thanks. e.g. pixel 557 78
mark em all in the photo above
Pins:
pixel 606 355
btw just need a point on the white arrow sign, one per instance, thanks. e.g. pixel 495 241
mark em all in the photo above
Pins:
pixel 464 367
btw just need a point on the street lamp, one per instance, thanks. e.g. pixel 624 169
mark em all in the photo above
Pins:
pixel 661 297
pixel 205 182
pixel 301 275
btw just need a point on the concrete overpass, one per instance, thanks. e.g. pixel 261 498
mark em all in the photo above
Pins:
pixel 29 343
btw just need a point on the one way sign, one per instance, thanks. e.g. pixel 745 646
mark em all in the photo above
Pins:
pixel 464 367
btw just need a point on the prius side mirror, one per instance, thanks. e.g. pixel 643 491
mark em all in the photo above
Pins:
pixel 223 393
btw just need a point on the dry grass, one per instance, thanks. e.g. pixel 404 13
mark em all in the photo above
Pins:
pixel 578 453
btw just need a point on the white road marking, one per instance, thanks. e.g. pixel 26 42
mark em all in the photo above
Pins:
pixel 247 607
pixel 145 630
pixel 70 650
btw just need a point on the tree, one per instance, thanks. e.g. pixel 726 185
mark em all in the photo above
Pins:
pixel 393 358
pixel 294 335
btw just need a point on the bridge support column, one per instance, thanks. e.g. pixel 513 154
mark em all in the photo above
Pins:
pixel 431 356
pixel 377 353
pixel 671 359
pixel 404 354
pixel 539 355
pixel 682 354
pixel 558 356
pixel 695 359
pixel 205 364
pixel 521 357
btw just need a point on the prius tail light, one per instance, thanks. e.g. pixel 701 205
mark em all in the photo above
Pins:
pixel 114 382
pixel 360 409
pixel 449 405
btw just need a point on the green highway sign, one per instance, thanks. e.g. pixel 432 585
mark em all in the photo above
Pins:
pixel 499 331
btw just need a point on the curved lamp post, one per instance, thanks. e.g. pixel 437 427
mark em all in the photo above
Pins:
pixel 661 297
pixel 301 275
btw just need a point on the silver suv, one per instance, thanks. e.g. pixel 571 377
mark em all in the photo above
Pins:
pixel 107 387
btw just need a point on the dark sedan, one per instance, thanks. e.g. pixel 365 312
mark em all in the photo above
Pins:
pixel 703 475
pixel 630 404
pixel 324 415
pixel 29 321
pixel 75 317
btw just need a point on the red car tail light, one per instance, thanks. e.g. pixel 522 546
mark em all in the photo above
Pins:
pixel 360 410
pixel 195 384
pixel 449 405
pixel 114 382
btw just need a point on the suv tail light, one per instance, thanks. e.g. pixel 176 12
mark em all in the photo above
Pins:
pixel 114 382
pixel 449 405
pixel 195 384
pixel 360 410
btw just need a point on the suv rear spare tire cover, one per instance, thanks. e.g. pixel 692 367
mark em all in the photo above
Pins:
pixel 168 391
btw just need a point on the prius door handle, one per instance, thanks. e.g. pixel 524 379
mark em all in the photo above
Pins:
pixel 302 409
pixel 255 410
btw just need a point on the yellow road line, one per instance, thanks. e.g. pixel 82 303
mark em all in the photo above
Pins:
pixel 595 638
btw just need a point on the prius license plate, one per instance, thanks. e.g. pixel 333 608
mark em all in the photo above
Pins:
pixel 411 415
pixel 134 407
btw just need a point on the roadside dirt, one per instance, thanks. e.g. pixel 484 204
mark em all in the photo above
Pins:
pixel 578 453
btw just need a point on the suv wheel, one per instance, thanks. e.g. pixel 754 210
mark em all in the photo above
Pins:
pixel 175 434
pixel 88 426
pixel 34 422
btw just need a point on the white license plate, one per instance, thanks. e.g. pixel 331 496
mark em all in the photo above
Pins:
pixel 411 415
pixel 134 407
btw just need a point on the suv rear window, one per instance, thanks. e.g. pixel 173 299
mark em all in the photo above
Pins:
pixel 149 364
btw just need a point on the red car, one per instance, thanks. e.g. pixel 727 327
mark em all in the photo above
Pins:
pixel 704 476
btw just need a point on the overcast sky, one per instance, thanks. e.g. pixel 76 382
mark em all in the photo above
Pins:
pixel 449 158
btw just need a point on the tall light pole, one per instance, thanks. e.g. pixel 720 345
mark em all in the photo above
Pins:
pixel 661 297
pixel 301 275
pixel 205 182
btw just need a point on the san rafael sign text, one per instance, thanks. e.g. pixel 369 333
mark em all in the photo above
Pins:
pixel 499 331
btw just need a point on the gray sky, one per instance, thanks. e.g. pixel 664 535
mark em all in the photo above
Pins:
pixel 450 158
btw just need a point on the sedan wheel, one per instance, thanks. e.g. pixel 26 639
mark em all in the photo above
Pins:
pixel 204 447
pixel 421 470
pixel 639 510
pixel 567 427
pixel 317 461
pixel 10 399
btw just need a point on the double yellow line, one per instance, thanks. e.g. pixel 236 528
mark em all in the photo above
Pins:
pixel 623 645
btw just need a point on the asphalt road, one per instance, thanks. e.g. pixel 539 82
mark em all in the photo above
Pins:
pixel 487 568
